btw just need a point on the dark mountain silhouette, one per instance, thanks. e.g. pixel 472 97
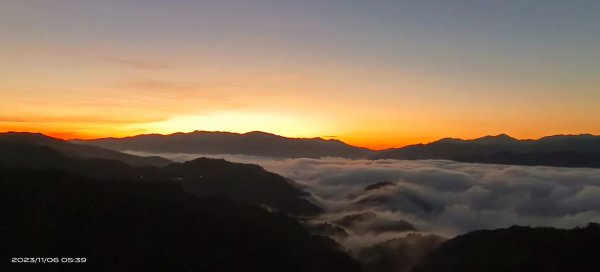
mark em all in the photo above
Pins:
pixel 247 182
pixel 560 150
pixel 31 156
pixel 253 143
pixel 519 249
pixel 399 254
pixel 120 225
pixel 244 182
pixel 81 151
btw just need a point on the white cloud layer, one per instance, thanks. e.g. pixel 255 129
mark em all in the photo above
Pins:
pixel 444 197
pixel 435 196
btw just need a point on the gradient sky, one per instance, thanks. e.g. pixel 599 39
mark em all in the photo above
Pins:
pixel 372 73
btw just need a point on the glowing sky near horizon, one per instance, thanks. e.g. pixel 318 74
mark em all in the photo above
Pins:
pixel 372 73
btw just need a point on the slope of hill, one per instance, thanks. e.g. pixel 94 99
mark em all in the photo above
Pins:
pixel 37 157
pixel 247 182
pixel 122 225
pixel 560 150
pixel 252 143
pixel 519 249
pixel 81 151
pixel 244 182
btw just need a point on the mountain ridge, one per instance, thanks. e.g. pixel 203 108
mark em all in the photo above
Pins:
pixel 255 143
pixel 581 150
pixel 80 150
pixel 563 150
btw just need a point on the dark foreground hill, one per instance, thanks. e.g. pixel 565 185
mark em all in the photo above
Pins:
pixel 246 182
pixel 252 143
pixel 81 151
pixel 519 249
pixel 122 225
pixel 205 177
pixel 560 150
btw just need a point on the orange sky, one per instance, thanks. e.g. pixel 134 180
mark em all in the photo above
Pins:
pixel 375 75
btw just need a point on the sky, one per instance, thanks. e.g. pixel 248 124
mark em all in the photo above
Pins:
pixel 371 73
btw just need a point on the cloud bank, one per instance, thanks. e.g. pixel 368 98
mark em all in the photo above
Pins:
pixel 449 197
pixel 379 204
pixel 441 196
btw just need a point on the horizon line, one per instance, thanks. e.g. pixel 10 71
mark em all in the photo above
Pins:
pixel 287 137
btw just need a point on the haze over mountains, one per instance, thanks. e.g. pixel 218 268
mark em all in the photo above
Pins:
pixel 560 150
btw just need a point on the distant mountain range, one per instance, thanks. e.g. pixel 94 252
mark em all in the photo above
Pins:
pixel 252 143
pixel 560 150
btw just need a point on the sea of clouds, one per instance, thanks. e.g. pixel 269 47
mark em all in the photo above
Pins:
pixel 439 198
